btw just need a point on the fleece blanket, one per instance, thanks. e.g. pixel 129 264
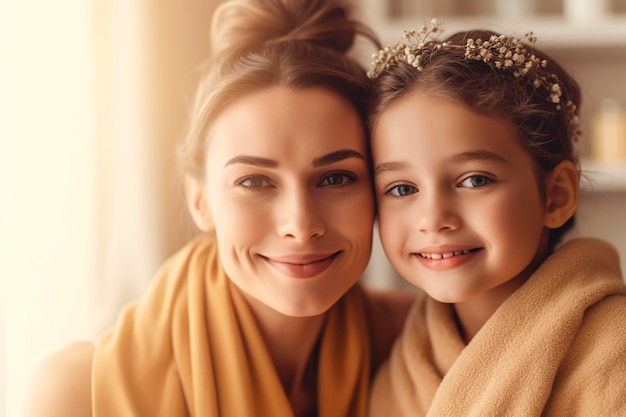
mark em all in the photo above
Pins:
pixel 555 347
pixel 191 347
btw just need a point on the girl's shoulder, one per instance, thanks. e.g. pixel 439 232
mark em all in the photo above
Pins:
pixel 61 385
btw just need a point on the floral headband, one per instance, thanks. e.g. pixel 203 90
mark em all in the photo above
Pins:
pixel 499 52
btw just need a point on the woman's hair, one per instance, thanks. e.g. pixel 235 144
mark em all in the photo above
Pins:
pixel 540 102
pixel 258 44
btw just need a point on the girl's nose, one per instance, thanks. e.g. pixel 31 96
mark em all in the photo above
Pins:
pixel 437 213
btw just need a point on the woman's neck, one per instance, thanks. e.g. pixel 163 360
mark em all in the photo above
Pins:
pixel 291 343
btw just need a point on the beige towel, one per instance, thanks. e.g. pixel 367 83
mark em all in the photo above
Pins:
pixel 191 347
pixel 555 347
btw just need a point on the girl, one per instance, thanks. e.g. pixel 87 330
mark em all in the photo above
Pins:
pixel 260 315
pixel 476 179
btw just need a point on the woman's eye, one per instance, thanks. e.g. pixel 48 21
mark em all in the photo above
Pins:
pixel 401 190
pixel 475 181
pixel 337 179
pixel 254 181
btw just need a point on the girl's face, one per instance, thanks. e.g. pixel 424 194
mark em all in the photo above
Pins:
pixel 460 211
pixel 288 189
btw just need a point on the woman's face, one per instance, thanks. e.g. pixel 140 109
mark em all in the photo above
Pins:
pixel 288 189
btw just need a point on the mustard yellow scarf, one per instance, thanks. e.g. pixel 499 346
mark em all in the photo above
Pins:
pixel 556 347
pixel 191 347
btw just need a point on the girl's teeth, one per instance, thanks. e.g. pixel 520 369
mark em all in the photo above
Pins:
pixel 444 255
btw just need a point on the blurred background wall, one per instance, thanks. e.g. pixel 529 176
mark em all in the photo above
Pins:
pixel 94 99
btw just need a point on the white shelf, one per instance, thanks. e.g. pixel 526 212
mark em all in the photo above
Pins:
pixel 552 32
pixel 603 177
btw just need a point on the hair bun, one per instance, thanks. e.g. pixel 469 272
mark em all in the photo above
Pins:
pixel 242 26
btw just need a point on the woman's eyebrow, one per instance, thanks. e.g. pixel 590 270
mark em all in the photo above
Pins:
pixel 252 160
pixel 317 162
pixel 337 156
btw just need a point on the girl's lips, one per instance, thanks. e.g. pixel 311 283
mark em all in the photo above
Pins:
pixel 302 266
pixel 449 259
pixel 444 255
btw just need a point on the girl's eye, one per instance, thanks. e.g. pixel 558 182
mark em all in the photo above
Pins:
pixel 254 181
pixel 475 181
pixel 337 179
pixel 401 190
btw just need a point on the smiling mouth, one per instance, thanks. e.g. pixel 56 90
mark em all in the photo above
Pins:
pixel 447 255
pixel 303 267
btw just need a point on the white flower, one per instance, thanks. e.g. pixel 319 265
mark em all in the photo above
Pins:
pixel 499 52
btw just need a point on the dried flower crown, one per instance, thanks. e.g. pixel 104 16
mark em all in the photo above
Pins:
pixel 499 52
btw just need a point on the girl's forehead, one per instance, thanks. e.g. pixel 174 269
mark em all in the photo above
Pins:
pixel 426 111
pixel 430 125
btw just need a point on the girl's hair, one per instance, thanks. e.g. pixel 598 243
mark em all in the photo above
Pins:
pixel 257 44
pixel 546 129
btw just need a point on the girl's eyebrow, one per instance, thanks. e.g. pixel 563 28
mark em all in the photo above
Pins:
pixel 327 159
pixel 389 167
pixel 479 155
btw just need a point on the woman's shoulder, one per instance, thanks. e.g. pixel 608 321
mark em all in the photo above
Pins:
pixel 61 385
pixel 393 304
pixel 387 313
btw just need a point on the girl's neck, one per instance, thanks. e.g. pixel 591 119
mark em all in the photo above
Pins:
pixel 291 343
pixel 474 313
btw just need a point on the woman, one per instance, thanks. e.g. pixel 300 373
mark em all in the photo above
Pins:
pixel 261 313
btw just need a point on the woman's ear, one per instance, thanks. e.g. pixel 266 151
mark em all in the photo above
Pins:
pixel 562 194
pixel 196 201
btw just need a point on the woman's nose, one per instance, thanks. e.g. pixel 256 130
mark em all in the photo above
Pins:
pixel 300 217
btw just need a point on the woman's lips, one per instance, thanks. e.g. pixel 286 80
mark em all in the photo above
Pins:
pixel 302 266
